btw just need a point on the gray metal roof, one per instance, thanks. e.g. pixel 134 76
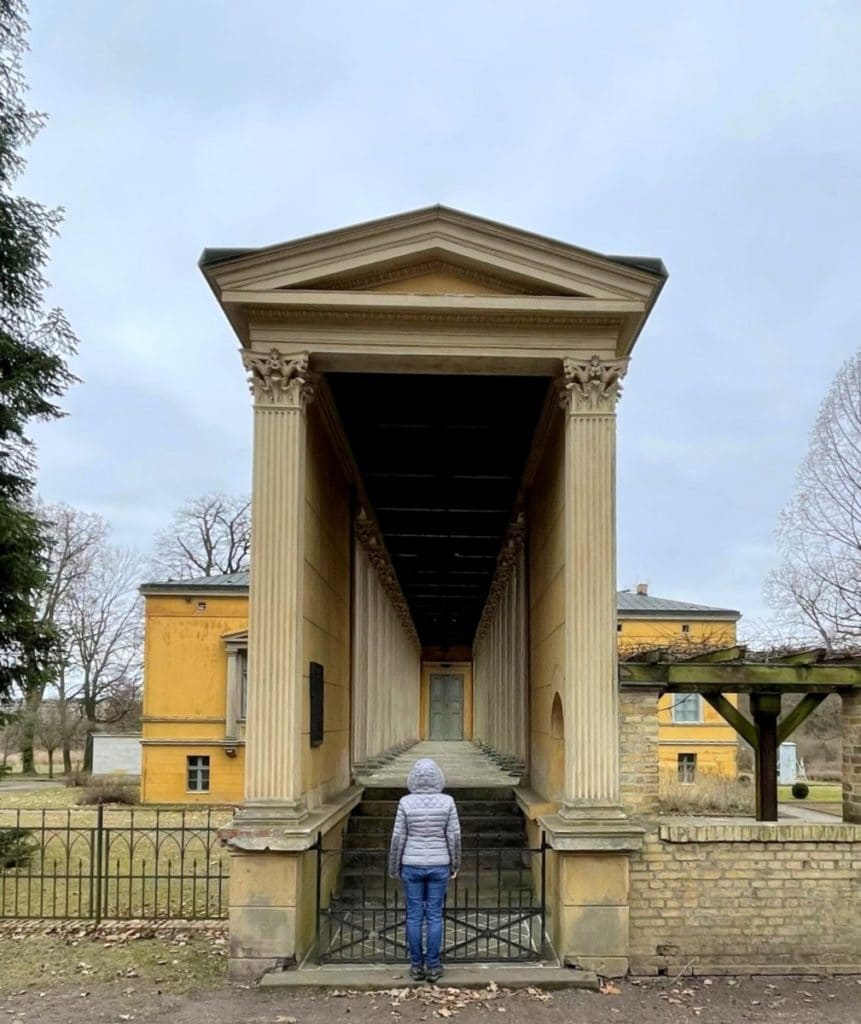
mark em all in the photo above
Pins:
pixel 627 602
pixel 234 581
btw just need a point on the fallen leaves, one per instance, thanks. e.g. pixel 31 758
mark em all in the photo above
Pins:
pixel 446 1002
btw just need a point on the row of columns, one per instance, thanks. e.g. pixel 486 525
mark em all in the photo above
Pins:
pixel 386 665
pixel 500 658
pixel 282 387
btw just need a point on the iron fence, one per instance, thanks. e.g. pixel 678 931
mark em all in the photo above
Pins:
pixel 95 864
pixel 494 909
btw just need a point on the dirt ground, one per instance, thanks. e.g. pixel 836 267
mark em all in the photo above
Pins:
pixel 136 973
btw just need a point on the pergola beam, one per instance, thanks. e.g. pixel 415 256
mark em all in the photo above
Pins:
pixel 730 714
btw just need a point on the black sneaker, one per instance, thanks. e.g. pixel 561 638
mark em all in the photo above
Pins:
pixel 433 974
pixel 417 973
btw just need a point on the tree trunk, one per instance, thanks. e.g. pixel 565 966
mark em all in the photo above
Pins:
pixel 28 729
pixel 50 764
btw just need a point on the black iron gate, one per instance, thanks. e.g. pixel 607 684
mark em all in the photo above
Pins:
pixel 494 908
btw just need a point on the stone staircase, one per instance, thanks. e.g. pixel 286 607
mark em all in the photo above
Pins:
pixel 496 869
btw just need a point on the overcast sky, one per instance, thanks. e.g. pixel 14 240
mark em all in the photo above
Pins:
pixel 723 137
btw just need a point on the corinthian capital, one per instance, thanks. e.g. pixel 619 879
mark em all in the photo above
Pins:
pixel 594 386
pixel 278 379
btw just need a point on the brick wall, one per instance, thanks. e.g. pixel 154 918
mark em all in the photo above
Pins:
pixel 638 746
pixel 785 896
pixel 851 718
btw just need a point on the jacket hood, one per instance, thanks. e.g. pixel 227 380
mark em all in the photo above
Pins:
pixel 425 777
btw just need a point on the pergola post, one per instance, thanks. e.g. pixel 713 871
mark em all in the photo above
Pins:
pixel 765 708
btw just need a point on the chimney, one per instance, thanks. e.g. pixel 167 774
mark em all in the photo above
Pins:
pixel 643 589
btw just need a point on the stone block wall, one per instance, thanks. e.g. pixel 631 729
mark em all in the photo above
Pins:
pixel 746 897
pixel 851 719
pixel 638 746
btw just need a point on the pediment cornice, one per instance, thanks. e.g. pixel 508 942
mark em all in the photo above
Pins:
pixel 515 277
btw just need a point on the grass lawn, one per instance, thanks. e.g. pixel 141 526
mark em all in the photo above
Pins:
pixel 133 959
pixel 148 862
pixel 820 793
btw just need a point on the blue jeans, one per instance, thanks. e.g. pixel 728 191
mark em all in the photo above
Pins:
pixel 425 890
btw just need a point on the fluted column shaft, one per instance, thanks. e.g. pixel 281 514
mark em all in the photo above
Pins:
pixel 591 690
pixel 282 389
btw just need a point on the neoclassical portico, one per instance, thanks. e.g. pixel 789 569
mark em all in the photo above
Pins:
pixel 471 525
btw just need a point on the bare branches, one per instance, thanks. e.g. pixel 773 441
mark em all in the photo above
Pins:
pixel 208 536
pixel 817 588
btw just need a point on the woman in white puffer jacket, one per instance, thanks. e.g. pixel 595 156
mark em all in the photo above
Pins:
pixel 425 854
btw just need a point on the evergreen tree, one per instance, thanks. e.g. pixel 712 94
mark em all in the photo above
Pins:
pixel 35 343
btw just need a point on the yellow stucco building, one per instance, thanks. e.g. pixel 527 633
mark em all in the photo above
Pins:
pixel 195 687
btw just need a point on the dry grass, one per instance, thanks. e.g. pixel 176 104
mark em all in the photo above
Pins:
pixel 150 861
pixel 711 794
pixel 134 958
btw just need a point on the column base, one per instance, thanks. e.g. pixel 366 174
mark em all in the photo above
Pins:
pixel 264 812
pixel 581 811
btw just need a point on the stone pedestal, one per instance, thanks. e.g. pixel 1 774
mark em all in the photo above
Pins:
pixel 590 892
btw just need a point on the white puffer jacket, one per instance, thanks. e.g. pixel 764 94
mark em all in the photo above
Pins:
pixel 427 829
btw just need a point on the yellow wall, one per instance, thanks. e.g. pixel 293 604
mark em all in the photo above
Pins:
pixel 185 687
pixel 547 614
pixel 713 741
pixel 326 769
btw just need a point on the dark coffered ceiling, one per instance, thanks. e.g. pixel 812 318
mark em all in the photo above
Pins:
pixel 441 458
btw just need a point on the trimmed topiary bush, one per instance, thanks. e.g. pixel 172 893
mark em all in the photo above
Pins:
pixel 16 847
pixel 800 790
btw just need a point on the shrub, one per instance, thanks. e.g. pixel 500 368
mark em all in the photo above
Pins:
pixel 800 790
pixel 5 769
pixel 110 790
pixel 77 778
pixel 16 847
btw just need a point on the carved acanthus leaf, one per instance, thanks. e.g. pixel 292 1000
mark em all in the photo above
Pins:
pixel 594 386
pixel 279 379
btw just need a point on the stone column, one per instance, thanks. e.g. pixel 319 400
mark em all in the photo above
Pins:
pixel 281 385
pixel 588 396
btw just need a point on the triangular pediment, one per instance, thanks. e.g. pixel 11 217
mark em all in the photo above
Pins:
pixel 433 275
pixel 433 251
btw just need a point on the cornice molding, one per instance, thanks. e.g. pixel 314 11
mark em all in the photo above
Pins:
pixel 591 387
pixel 279 314
pixel 506 563
pixel 370 537
pixel 279 381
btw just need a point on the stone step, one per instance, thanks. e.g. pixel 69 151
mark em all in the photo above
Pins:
pixel 494 793
pixel 361 823
pixel 465 808
pixel 375 861
pixel 373 840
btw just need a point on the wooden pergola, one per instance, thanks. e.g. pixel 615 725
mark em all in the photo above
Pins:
pixel 813 673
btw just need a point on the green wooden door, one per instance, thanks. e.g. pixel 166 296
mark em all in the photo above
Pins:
pixel 446 706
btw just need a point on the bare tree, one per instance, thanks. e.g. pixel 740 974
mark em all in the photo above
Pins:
pixel 817 588
pixel 103 628
pixel 73 537
pixel 54 730
pixel 207 536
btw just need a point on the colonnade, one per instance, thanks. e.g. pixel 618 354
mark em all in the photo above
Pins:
pixel 500 655
pixel 386 656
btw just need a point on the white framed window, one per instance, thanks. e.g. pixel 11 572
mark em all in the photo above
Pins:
pixel 687 707
pixel 687 765
pixel 197 766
